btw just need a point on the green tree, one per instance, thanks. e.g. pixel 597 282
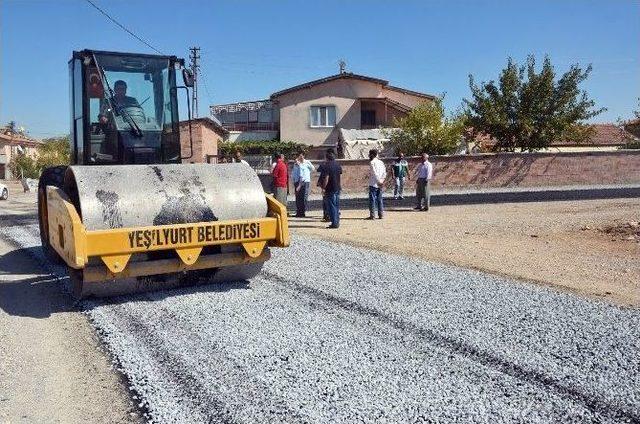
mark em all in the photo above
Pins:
pixel 427 128
pixel 529 109
pixel 25 166
pixel 52 151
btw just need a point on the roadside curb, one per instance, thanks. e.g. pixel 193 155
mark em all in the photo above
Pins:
pixel 493 196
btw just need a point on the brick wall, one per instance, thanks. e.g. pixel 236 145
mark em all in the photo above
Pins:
pixel 205 142
pixel 508 170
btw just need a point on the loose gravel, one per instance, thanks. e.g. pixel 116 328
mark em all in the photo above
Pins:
pixel 333 333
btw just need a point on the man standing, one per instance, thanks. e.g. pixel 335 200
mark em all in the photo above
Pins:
pixel 280 180
pixel 423 189
pixel 400 174
pixel 325 201
pixel 238 158
pixel 301 175
pixel 330 183
pixel 377 175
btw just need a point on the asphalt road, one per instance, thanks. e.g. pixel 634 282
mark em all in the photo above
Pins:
pixel 332 333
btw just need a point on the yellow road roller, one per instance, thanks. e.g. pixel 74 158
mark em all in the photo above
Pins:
pixel 129 215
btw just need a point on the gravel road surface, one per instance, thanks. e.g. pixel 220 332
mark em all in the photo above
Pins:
pixel 334 333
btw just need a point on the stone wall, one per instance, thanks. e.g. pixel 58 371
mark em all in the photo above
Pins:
pixel 508 170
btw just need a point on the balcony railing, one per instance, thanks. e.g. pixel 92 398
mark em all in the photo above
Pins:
pixel 251 126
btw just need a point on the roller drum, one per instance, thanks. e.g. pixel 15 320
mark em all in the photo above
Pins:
pixel 146 195
pixel 126 196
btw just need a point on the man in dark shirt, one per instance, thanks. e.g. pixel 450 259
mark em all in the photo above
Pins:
pixel 120 95
pixel 330 182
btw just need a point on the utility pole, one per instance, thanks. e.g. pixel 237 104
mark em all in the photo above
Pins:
pixel 195 66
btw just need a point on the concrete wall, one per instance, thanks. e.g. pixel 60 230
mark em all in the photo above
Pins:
pixel 252 135
pixel 341 93
pixel 509 170
pixel 205 142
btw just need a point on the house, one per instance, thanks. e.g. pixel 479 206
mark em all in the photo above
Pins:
pixel 606 137
pixel 206 133
pixel 314 112
pixel 11 144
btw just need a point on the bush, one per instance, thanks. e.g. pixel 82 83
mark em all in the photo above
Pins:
pixel 631 145
pixel 427 128
pixel 288 148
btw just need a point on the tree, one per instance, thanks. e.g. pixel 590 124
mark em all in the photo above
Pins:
pixel 427 128
pixel 53 151
pixel 527 109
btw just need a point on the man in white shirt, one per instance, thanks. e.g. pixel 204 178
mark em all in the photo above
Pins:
pixel 301 175
pixel 377 175
pixel 238 158
pixel 423 189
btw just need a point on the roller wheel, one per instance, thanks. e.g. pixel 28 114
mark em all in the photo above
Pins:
pixel 53 176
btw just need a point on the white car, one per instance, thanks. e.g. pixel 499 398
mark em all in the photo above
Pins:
pixel 4 192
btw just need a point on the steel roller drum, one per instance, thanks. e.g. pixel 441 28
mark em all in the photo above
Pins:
pixel 123 196
pixel 144 195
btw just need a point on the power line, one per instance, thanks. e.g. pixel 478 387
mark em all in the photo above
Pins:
pixel 206 87
pixel 123 27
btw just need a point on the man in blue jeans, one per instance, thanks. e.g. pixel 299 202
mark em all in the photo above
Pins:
pixel 377 175
pixel 330 183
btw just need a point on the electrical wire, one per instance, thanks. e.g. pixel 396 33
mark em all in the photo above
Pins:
pixel 206 87
pixel 123 27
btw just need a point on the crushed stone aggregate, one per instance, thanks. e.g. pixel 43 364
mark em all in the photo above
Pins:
pixel 333 333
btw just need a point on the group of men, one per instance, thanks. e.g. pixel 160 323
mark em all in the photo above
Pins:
pixel 329 182
pixel 400 169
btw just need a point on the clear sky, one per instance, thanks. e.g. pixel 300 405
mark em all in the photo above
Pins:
pixel 251 49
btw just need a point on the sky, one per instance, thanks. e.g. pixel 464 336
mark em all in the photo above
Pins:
pixel 251 49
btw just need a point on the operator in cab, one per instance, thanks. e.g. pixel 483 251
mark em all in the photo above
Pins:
pixel 120 95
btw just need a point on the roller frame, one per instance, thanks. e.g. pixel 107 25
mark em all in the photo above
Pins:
pixel 76 245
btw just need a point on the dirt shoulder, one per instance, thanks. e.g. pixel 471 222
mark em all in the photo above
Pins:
pixel 560 244
pixel 52 366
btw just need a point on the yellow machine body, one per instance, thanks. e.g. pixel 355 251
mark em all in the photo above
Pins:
pixel 77 246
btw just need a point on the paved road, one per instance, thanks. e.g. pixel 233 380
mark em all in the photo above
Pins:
pixel 53 368
pixel 331 333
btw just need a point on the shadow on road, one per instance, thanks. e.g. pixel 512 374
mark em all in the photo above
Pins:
pixel 17 219
pixel 13 262
pixel 40 294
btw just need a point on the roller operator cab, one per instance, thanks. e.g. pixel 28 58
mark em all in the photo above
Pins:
pixel 127 208
pixel 124 108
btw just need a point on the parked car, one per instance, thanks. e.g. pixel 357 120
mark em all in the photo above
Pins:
pixel 4 192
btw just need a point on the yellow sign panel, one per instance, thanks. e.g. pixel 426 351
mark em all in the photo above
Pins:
pixel 202 234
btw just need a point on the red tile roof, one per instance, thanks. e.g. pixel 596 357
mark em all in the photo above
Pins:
pixel 349 75
pixel 605 135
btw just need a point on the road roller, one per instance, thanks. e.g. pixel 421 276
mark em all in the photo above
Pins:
pixel 131 213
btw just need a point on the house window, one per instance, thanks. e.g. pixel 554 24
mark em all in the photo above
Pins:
pixel 368 118
pixel 323 116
